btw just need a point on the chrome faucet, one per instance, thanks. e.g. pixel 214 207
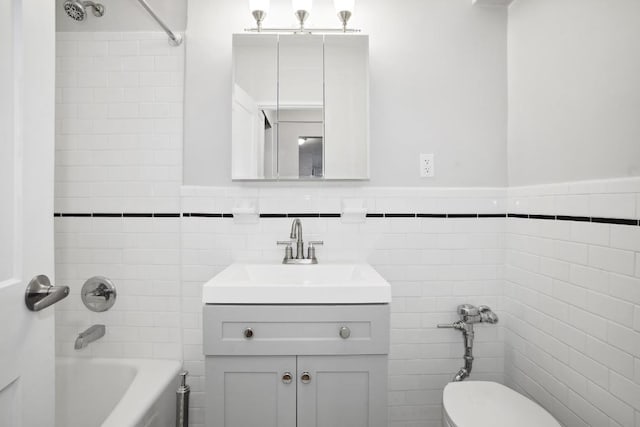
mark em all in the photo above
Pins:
pixel 469 315
pixel 296 236
pixel 92 334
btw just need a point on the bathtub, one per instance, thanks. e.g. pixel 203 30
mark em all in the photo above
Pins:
pixel 96 392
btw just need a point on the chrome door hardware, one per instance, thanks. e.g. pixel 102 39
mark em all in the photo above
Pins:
pixel 469 315
pixel 98 294
pixel 305 378
pixel 296 238
pixel 287 378
pixel 40 294
pixel 345 332
pixel 248 333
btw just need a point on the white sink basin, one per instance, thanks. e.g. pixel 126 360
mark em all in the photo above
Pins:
pixel 297 284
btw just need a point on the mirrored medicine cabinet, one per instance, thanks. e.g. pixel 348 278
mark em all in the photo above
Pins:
pixel 300 107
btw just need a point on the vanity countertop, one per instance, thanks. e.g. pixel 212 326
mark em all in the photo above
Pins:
pixel 330 283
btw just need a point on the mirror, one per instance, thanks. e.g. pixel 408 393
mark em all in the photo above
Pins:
pixel 300 108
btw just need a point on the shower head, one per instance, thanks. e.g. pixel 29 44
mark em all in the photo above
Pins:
pixel 78 9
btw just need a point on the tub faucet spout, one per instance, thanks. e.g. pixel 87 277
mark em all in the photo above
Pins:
pixel 92 334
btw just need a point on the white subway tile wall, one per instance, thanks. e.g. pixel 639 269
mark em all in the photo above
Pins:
pixel 142 257
pixel 119 122
pixel 569 308
pixel 433 264
pixel 572 295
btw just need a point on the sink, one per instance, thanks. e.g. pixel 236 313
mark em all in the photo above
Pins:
pixel 297 284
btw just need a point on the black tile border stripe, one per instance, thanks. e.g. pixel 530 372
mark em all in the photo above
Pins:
pixel 618 221
pixel 573 218
pixel 399 215
pixel 598 220
pixel 548 217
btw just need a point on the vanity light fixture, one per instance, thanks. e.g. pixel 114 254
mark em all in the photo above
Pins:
pixel 344 8
pixel 301 9
pixel 259 10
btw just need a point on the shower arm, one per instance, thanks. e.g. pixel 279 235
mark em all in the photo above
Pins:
pixel 174 39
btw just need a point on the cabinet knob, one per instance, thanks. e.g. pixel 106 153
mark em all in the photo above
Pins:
pixel 248 333
pixel 345 332
pixel 305 378
pixel 287 378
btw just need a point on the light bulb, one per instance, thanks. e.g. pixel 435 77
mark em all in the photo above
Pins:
pixel 262 5
pixel 302 5
pixel 301 141
pixel 344 5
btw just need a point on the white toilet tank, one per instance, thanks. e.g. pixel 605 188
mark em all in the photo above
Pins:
pixel 489 404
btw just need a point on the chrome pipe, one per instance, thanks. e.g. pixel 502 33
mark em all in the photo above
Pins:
pixel 174 39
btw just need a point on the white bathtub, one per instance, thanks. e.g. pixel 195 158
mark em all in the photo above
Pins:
pixel 115 392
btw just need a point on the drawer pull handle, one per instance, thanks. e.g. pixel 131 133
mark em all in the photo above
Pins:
pixel 287 378
pixel 305 378
pixel 345 332
pixel 248 333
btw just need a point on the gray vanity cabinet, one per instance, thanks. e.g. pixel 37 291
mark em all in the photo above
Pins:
pixel 302 366
pixel 249 391
pixel 343 391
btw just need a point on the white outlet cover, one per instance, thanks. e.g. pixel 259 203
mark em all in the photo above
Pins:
pixel 427 165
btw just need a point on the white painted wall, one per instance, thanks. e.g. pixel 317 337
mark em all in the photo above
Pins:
pixel 438 85
pixel 127 15
pixel 574 90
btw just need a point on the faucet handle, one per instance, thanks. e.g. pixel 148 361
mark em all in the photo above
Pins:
pixel 311 251
pixel 288 251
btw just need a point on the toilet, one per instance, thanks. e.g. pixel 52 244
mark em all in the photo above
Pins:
pixel 486 403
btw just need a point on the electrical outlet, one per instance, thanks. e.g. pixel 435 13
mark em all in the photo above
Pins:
pixel 427 166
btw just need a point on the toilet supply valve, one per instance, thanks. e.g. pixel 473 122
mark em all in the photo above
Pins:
pixel 469 315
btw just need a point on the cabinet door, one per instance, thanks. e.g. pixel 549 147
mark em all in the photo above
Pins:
pixel 250 391
pixel 342 391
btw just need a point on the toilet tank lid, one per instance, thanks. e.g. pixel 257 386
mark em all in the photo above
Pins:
pixel 489 404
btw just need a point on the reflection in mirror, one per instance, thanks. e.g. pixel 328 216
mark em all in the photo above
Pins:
pixel 301 71
pixel 310 157
pixel 293 126
pixel 254 109
pixel 300 107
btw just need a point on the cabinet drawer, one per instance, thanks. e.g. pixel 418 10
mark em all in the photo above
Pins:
pixel 296 329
